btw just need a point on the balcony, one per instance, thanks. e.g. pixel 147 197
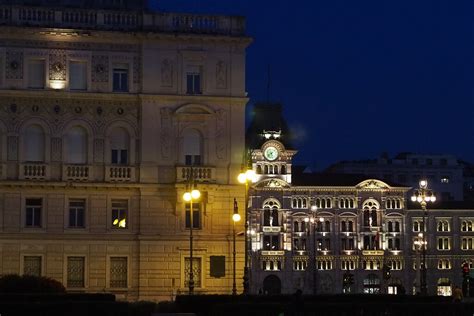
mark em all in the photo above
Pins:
pixel 271 229
pixel 122 20
pixel 272 252
pixel 33 171
pixel 76 173
pixel 200 173
pixel 372 252
pixel 119 174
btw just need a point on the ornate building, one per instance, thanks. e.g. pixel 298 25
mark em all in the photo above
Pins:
pixel 329 233
pixel 102 115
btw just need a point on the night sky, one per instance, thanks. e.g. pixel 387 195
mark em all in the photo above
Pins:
pixel 358 78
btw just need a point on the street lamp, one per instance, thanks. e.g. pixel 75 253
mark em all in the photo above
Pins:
pixel 191 197
pixel 423 195
pixel 245 177
pixel 235 219
pixel 312 221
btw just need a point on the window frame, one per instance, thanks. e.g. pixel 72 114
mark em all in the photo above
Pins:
pixel 41 213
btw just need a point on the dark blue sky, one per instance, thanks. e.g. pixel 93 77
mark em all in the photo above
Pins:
pixel 358 78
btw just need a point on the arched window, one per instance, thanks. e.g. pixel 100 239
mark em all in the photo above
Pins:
pixel 343 226
pixel 76 145
pixel 192 147
pixel 119 146
pixel 397 226
pixel 34 144
pixel 283 169
pixel 259 169
pixel 270 213
pixel 370 208
pixel 296 226
pixel 390 226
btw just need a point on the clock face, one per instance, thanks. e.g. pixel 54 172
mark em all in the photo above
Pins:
pixel 271 153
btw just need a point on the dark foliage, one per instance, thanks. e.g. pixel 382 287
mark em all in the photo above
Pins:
pixel 13 283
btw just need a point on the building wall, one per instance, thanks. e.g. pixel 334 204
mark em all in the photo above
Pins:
pixel 155 113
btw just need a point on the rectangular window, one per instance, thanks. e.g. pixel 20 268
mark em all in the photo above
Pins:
pixel 271 242
pixel 196 268
pixel 467 243
pixel 36 74
pixel 77 213
pixel 444 243
pixel 77 75
pixel 217 266
pixel 120 214
pixel 119 157
pixel 193 80
pixel 75 272
pixel 192 160
pixel 33 212
pixel 120 78
pixel 118 272
pixel 32 265
pixel 196 215
pixel 429 162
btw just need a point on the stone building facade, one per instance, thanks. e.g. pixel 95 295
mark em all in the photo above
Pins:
pixel 103 115
pixel 310 231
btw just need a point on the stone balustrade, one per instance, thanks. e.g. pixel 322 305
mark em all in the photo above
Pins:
pixel 76 173
pixel 34 171
pixel 200 174
pixel 121 20
pixel 120 174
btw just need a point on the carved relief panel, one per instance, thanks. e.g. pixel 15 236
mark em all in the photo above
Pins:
pixel 14 65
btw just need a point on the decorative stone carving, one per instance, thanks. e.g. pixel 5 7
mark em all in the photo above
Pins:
pixel 166 73
pixel 100 68
pixel 165 135
pixel 56 149
pixel 14 65
pixel 221 75
pixel 57 65
pixel 221 123
pixel 136 69
pixel 98 150
pixel 12 153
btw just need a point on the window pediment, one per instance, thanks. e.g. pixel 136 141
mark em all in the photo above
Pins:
pixel 194 109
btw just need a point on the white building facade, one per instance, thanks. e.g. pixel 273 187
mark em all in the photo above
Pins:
pixel 103 114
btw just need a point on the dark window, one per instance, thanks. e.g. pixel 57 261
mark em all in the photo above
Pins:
pixel 271 242
pixel 192 160
pixel 217 266
pixel 193 83
pixel 75 272
pixel 196 215
pixel 119 156
pixel 76 213
pixel 120 79
pixel 414 161
pixel 443 162
pixel 429 162
pixel 33 212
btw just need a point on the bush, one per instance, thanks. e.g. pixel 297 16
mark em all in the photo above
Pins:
pixel 13 283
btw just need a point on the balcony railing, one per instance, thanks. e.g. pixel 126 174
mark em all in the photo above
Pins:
pixel 119 174
pixel 76 173
pixel 200 174
pixel 122 20
pixel 33 171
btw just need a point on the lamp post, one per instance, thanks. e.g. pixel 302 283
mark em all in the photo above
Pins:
pixel 190 196
pixel 235 219
pixel 423 195
pixel 312 221
pixel 245 177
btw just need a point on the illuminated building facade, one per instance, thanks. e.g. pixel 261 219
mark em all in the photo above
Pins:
pixel 104 112
pixel 330 234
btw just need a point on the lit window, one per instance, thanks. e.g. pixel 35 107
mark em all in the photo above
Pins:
pixel 445 180
pixel 467 243
pixel 442 226
pixel 120 214
pixel 444 243
pixel 444 264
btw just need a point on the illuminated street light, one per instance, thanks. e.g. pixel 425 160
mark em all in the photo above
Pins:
pixel 423 195
pixel 235 219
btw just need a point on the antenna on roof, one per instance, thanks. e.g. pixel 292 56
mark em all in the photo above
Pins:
pixel 268 83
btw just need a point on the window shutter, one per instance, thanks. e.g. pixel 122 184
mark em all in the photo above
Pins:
pixel 77 75
pixel 36 74
pixel 217 266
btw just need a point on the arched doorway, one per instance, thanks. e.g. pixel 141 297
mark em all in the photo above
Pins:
pixel 272 285
pixel 372 284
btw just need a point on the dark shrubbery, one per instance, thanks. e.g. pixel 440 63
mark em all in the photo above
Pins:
pixel 13 283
